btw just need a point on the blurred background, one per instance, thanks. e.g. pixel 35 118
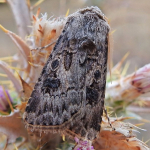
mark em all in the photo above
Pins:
pixel 129 19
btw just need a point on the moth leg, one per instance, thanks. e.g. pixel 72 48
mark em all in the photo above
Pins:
pixel 46 46
pixel 105 110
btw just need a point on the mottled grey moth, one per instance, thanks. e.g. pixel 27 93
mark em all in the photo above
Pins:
pixel 69 94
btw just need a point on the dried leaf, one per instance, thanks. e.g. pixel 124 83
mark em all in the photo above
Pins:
pixel 112 140
pixel 22 106
pixel 122 138
pixel 27 89
pixel 23 47
pixel 12 126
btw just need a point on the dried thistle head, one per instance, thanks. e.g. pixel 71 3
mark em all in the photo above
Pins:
pixel 44 32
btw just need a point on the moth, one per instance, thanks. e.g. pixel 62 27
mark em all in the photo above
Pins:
pixel 69 94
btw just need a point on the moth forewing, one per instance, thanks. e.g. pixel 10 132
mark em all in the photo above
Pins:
pixel 70 92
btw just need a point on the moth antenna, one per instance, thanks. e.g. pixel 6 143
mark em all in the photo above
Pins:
pixel 105 110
